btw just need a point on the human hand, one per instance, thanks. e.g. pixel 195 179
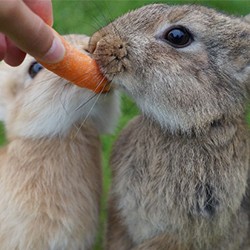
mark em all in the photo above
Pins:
pixel 24 27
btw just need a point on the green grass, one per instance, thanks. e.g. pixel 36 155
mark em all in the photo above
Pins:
pixel 129 110
pixel 86 17
pixel 2 134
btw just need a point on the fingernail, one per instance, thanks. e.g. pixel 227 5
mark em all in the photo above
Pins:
pixel 56 51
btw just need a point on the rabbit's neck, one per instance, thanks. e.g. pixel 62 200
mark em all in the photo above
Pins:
pixel 54 153
pixel 210 161
pixel 218 128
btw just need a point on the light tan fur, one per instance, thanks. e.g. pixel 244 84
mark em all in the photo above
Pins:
pixel 50 169
pixel 181 169
pixel 50 192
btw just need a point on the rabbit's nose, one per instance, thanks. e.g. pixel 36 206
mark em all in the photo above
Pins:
pixel 110 52
pixel 108 46
pixel 118 49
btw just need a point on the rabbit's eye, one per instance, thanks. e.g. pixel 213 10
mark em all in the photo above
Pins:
pixel 34 69
pixel 178 37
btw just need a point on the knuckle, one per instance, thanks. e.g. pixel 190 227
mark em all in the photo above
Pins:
pixel 8 10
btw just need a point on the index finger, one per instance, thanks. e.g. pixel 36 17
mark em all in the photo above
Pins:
pixel 42 8
pixel 28 31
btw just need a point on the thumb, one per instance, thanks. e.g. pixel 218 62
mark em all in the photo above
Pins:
pixel 29 32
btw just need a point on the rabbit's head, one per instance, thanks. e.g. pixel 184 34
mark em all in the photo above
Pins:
pixel 36 103
pixel 185 66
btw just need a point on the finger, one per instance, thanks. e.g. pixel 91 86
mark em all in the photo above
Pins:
pixel 29 32
pixel 3 46
pixel 13 55
pixel 41 8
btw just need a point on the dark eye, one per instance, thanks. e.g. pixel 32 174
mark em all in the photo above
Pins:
pixel 34 69
pixel 178 37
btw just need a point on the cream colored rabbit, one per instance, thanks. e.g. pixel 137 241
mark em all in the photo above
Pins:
pixel 180 170
pixel 50 169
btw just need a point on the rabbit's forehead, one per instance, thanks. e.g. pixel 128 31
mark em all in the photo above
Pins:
pixel 27 62
pixel 151 18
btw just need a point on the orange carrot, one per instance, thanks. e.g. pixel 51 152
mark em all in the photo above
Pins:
pixel 80 69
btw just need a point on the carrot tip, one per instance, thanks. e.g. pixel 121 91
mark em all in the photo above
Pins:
pixel 80 69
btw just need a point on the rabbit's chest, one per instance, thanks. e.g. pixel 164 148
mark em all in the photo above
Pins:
pixel 167 191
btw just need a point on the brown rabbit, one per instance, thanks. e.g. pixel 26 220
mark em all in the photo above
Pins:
pixel 50 170
pixel 180 170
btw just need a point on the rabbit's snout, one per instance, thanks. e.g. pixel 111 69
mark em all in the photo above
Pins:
pixel 111 47
pixel 110 52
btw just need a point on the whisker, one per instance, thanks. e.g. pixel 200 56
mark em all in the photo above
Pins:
pixel 61 102
pixel 64 108
pixel 105 19
pixel 51 77
pixel 87 116
pixel 36 97
pixel 99 23
pixel 110 83
pixel 86 102
pixel 83 104
pixel 110 21
pixel 56 93
pixel 116 30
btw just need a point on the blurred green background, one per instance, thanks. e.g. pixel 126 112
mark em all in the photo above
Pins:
pixel 86 17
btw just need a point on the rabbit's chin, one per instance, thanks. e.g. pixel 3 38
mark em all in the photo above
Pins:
pixel 37 118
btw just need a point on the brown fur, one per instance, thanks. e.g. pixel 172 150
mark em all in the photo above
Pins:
pixel 181 169
pixel 117 236
pixel 172 187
